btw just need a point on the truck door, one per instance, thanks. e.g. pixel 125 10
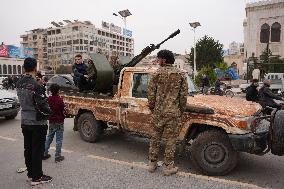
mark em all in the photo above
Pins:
pixel 135 114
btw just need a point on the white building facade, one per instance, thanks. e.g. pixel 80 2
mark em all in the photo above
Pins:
pixel 11 66
pixel 263 27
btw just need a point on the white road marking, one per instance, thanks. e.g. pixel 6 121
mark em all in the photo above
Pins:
pixel 63 150
pixel 7 138
pixel 180 173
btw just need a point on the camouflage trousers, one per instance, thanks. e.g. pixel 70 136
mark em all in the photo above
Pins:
pixel 168 127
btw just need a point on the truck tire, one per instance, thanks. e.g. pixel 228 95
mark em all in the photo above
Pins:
pixel 212 153
pixel 277 134
pixel 89 128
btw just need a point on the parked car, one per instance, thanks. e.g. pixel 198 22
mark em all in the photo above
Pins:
pixel 65 82
pixel 9 104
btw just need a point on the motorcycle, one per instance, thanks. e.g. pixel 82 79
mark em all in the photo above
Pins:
pixel 226 90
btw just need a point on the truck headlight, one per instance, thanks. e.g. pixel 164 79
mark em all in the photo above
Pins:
pixel 244 122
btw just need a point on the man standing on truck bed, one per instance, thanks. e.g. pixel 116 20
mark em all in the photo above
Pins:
pixel 167 94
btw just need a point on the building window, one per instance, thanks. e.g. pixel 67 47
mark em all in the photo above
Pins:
pixel 14 69
pixel 0 69
pixel 4 69
pixel 9 69
pixel 264 33
pixel 19 69
pixel 275 32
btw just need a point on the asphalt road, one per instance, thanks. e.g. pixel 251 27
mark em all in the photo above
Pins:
pixel 119 161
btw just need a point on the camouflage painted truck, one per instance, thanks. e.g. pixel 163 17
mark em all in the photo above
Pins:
pixel 215 128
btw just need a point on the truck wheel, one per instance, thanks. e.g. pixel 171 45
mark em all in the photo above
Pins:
pixel 89 128
pixel 277 134
pixel 11 117
pixel 212 153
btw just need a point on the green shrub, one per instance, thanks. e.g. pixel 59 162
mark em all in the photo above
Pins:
pixel 210 74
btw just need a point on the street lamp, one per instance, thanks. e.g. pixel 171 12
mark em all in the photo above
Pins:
pixel 194 25
pixel 123 14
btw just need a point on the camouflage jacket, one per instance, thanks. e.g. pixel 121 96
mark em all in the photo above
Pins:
pixel 167 91
pixel 92 72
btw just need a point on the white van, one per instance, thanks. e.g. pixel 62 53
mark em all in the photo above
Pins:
pixel 277 82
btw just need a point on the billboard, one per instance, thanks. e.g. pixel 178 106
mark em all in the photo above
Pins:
pixel 127 32
pixel 27 52
pixel 14 52
pixel 4 51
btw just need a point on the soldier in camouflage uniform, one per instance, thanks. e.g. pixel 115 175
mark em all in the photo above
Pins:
pixel 167 92
pixel 92 75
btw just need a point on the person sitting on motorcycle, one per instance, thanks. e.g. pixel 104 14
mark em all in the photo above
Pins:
pixel 218 90
pixel 252 92
pixel 266 96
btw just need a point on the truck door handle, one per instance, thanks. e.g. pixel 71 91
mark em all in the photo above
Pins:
pixel 123 105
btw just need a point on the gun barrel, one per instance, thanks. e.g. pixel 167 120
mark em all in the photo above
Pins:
pixel 146 51
pixel 171 36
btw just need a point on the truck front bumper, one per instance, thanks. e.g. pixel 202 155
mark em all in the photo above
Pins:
pixel 250 143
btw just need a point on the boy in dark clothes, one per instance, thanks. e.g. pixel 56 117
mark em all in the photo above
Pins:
pixel 56 123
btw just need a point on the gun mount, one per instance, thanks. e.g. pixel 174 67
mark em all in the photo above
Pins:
pixel 108 76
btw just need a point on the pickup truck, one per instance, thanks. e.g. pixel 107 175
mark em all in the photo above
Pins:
pixel 215 128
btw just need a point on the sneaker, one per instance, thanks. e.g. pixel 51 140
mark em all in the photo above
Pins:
pixel 152 166
pixel 41 180
pixel 59 158
pixel 45 157
pixel 170 170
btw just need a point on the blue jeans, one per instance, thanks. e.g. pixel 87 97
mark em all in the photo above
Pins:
pixel 56 128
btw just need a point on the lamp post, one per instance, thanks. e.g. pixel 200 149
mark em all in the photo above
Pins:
pixel 123 14
pixel 194 25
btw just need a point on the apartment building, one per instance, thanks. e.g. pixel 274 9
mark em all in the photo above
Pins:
pixel 64 41
pixel 36 39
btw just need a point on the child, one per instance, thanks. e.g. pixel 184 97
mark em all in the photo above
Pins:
pixel 56 123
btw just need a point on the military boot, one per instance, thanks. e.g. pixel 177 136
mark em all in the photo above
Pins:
pixel 152 166
pixel 170 169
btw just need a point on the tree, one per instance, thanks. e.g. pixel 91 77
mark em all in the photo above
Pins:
pixel 209 52
pixel 206 70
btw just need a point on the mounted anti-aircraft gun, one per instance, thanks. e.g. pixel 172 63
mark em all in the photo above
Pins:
pixel 108 76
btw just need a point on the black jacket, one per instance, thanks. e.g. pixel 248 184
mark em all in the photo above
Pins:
pixel 79 70
pixel 205 82
pixel 266 97
pixel 252 93
pixel 33 101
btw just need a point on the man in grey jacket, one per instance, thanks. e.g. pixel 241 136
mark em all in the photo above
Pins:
pixel 34 115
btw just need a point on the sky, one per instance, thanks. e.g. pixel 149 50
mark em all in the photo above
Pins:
pixel 151 20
